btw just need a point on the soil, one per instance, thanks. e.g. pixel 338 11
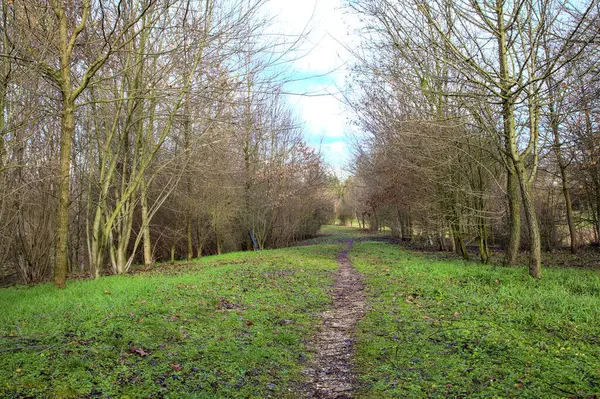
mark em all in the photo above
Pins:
pixel 331 373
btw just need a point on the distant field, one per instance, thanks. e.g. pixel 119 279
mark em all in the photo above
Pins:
pixel 240 325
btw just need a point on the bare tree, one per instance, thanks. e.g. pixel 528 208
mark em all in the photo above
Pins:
pixel 465 53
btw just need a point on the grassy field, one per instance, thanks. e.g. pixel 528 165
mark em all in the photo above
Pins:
pixel 227 326
pixel 446 329
pixel 237 325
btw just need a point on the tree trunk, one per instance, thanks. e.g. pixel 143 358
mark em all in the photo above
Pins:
pixel 410 226
pixel 190 246
pixel 535 247
pixel 514 220
pixel 513 157
pixel 4 78
pixel 187 131
pixel 124 231
pixel 62 228
pixel 66 44
pixel 147 244
pixel 598 213
pixel 441 241
pixel 96 245
pixel 569 206
pixel 563 175
pixel 459 244
pixel 374 222
pixel 484 248
pixel 121 257
pixel 219 247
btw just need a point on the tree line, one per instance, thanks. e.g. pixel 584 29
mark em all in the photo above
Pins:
pixel 479 124
pixel 134 131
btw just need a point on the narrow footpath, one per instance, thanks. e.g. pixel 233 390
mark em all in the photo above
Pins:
pixel 332 370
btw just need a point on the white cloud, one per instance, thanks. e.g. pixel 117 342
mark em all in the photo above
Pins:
pixel 337 155
pixel 323 116
pixel 337 148
pixel 323 52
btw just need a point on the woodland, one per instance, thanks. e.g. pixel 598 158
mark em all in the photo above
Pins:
pixel 167 228
pixel 153 130
pixel 145 130
pixel 478 126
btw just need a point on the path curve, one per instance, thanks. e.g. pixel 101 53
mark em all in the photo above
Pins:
pixel 332 370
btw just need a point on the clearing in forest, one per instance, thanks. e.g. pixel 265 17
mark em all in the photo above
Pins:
pixel 252 324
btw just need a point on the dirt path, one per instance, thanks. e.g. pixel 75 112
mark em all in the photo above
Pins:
pixel 331 373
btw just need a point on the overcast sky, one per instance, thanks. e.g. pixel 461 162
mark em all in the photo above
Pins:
pixel 321 71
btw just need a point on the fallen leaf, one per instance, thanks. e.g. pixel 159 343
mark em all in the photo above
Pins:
pixel 138 351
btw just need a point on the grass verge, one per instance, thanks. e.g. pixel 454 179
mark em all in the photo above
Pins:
pixel 449 329
pixel 226 326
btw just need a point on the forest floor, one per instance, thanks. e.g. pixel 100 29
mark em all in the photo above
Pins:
pixel 400 323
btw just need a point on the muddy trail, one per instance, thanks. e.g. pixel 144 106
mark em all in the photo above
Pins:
pixel 332 374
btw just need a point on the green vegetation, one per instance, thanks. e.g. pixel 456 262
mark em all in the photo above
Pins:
pixel 453 329
pixel 330 234
pixel 237 325
pixel 231 325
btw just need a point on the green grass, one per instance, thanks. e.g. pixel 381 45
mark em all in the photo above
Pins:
pixel 237 325
pixel 443 329
pixel 226 326
pixel 330 234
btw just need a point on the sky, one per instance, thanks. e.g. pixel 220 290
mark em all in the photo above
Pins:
pixel 320 72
